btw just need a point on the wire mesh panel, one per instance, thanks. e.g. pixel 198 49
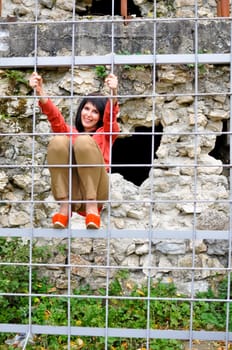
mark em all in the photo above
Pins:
pixel 156 275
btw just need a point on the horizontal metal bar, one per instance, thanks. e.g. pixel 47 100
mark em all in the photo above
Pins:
pixel 10 62
pixel 116 332
pixel 114 233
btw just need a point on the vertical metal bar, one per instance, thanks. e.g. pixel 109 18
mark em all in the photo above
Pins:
pixel 69 241
pixel 225 8
pixel 195 175
pixel 228 309
pixel 124 8
pixel 108 240
pixel 32 206
pixel 0 8
pixel 219 9
pixel 152 194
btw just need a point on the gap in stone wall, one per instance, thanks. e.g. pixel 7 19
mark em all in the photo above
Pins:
pixel 222 148
pixel 135 149
pixel 105 8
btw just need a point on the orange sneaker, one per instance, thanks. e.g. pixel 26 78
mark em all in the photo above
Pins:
pixel 83 213
pixel 59 220
pixel 92 221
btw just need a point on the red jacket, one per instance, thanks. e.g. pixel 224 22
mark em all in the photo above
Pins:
pixel 102 134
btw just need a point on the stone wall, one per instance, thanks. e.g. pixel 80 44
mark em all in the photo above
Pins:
pixel 187 184
pixel 62 9
pixel 176 200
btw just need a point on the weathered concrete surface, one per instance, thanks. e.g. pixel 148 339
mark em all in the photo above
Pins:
pixel 53 39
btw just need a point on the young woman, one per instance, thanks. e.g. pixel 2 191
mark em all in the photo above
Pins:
pixel 96 130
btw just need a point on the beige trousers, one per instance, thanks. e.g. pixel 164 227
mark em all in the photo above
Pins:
pixel 87 182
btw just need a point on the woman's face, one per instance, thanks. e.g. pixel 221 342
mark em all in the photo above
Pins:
pixel 89 117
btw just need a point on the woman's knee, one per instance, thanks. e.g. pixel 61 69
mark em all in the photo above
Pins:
pixel 58 150
pixel 58 143
pixel 84 143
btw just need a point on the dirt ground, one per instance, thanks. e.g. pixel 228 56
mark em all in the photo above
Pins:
pixel 206 345
pixel 197 345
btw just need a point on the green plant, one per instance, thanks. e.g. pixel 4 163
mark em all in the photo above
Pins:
pixel 15 78
pixel 123 52
pixel 14 278
pixel 201 67
pixel 101 72
pixel 171 5
pixel 4 117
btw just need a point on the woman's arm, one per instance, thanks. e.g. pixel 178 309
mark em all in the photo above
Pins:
pixel 53 114
pixel 36 82
pixel 112 82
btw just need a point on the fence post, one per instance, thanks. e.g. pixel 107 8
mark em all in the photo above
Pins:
pixel 219 10
pixel 0 8
pixel 124 8
pixel 223 8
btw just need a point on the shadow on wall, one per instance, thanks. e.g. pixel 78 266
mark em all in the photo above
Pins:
pixel 132 156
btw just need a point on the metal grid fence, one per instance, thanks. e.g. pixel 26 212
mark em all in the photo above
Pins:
pixel 113 60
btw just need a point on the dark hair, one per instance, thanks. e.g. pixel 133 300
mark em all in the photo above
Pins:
pixel 98 101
